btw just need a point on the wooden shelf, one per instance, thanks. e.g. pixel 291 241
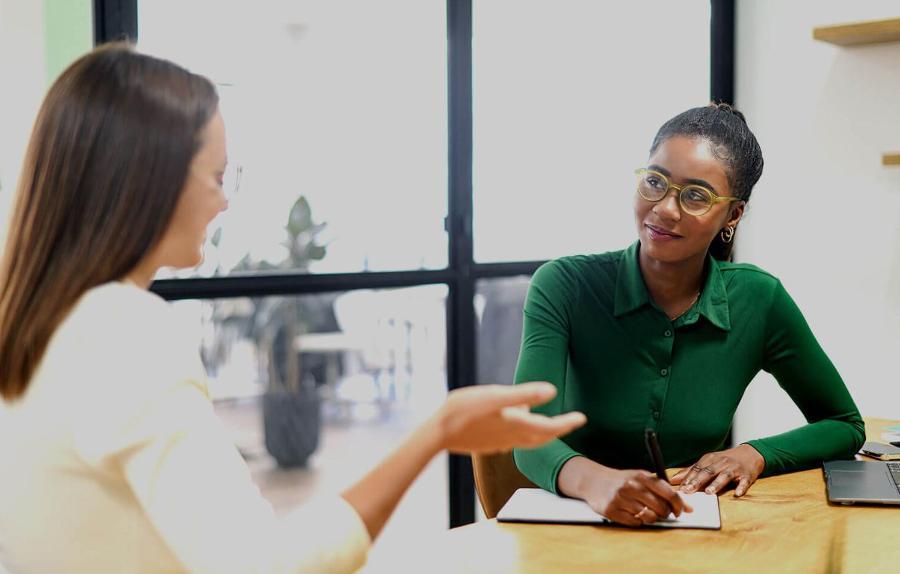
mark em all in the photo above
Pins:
pixel 860 33
pixel 892 158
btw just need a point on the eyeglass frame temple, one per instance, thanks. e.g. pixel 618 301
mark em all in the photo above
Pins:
pixel 238 173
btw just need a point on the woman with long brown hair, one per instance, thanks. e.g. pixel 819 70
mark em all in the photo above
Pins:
pixel 114 459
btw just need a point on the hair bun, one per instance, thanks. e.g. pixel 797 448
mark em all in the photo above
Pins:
pixel 726 107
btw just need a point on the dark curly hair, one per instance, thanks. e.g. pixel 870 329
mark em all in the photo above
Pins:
pixel 731 142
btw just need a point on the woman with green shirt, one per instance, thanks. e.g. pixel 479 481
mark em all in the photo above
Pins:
pixel 668 333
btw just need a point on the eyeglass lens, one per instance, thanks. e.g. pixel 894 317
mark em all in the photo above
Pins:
pixel 653 187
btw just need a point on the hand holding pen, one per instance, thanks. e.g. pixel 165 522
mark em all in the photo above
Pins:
pixel 628 497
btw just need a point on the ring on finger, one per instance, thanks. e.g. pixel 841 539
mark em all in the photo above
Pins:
pixel 637 515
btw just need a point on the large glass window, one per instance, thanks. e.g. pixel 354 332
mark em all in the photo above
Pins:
pixel 316 389
pixel 341 103
pixel 567 98
pixel 337 113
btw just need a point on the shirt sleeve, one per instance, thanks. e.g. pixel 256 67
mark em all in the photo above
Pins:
pixel 196 490
pixel 543 357
pixel 804 371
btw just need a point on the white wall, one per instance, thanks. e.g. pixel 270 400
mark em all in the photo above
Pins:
pixel 22 85
pixel 825 217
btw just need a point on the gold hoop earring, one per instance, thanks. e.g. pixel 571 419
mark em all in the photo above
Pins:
pixel 727 234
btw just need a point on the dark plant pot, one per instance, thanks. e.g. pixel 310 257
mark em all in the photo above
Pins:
pixel 292 422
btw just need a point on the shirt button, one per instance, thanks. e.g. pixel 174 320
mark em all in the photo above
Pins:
pixel 667 333
pixel 656 415
pixel 664 372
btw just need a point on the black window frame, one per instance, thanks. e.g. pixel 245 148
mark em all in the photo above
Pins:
pixel 117 20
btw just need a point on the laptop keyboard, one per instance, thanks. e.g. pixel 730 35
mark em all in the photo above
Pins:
pixel 894 469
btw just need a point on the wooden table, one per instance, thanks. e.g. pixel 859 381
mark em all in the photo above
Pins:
pixel 783 524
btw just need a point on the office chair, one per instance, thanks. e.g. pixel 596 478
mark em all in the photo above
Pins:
pixel 496 479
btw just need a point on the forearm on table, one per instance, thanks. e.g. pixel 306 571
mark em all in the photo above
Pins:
pixel 376 495
pixel 811 444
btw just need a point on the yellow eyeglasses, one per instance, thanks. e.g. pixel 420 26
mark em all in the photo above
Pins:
pixel 694 199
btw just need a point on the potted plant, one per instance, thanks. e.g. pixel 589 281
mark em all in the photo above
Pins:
pixel 291 401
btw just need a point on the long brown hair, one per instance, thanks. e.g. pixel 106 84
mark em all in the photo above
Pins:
pixel 106 163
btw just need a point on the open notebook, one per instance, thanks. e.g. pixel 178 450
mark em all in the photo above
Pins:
pixel 537 505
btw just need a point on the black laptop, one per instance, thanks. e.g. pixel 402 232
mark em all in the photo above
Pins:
pixel 862 482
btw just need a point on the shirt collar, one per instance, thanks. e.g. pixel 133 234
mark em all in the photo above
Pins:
pixel 631 292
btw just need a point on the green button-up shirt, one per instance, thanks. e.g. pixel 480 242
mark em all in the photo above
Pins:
pixel 591 329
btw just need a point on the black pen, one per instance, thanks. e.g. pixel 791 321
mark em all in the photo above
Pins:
pixel 658 465
pixel 652 444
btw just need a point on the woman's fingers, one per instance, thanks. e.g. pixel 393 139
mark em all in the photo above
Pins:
pixel 544 425
pixel 634 513
pixel 636 497
pixel 492 418
pixel 630 512
pixel 743 486
pixel 621 516
pixel 687 478
pixel 699 476
pixel 647 515
pixel 527 394
pixel 483 399
pixel 679 476
pixel 665 491
pixel 527 430
pixel 717 480
pixel 724 478
pixel 716 470
pixel 654 504
pixel 563 424
pixel 642 491
pixel 532 429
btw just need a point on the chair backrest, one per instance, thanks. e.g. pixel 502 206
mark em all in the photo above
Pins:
pixel 496 479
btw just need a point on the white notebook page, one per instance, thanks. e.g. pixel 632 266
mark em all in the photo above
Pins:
pixel 538 505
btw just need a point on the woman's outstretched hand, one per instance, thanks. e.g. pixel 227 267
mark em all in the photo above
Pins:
pixel 483 418
pixel 493 418
pixel 716 470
